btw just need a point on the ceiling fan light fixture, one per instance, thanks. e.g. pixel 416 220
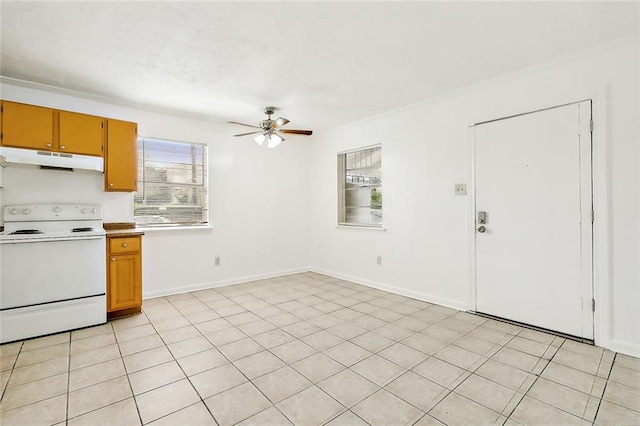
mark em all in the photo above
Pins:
pixel 273 141
pixel 259 139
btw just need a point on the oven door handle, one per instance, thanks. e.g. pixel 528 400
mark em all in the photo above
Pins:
pixel 52 239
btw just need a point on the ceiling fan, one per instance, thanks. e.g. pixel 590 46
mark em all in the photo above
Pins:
pixel 270 130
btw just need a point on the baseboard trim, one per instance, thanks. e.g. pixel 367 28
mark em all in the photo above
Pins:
pixel 624 348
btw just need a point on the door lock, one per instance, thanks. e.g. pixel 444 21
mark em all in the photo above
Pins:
pixel 482 229
pixel 482 218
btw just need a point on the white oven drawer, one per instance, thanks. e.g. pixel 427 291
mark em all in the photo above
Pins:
pixel 34 273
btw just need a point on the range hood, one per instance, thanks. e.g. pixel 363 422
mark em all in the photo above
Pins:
pixel 52 159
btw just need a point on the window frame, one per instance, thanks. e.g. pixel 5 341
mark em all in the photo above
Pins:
pixel 143 183
pixel 342 182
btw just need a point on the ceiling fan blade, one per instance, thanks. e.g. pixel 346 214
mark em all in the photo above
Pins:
pixel 281 121
pixel 243 124
pixel 250 133
pixel 297 132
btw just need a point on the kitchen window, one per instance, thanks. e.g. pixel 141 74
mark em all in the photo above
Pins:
pixel 172 184
pixel 360 187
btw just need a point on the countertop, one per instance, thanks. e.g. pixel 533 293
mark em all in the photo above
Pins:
pixel 122 229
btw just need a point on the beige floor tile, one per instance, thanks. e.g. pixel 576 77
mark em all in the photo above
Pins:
pixel 132 321
pixel 94 356
pixel 486 393
pixel 383 408
pixel 459 357
pixel 94 342
pixel 628 362
pixel 273 338
pixel 179 334
pixel 283 319
pixel 424 343
pixel 417 390
pixel 372 341
pixel 170 323
pixel 141 360
pixel 619 374
pixel 488 334
pixel 223 337
pixel 281 384
pixel 189 347
pixel 441 372
pixel 96 373
pixel 368 322
pixel 530 347
pixel 347 419
pixel 135 332
pixel 155 377
pixel 347 353
pixel 347 387
pixel 212 326
pixel 258 364
pixel 201 361
pixel 37 390
pixel 43 342
pixel 346 331
pixel 393 332
pixel 559 396
pixel 7 362
pixel 347 314
pixel 242 318
pixel 293 351
pixel 317 367
pixel 300 329
pixel 455 409
pixel 533 412
pixel 516 359
pixel 10 348
pixel 139 345
pixel 97 396
pixel 194 415
pixel 318 318
pixel 256 327
pixel 4 380
pixel 43 354
pixel 403 355
pixel 576 379
pixel 48 412
pixel 237 404
pixel 475 345
pixel 625 396
pixel 575 360
pixel 504 374
pixel 120 413
pixel 267 311
pixel 322 340
pixel 537 336
pixel 159 402
pixel 240 349
pixel 216 380
pixel 427 420
pixel 38 371
pixel 612 414
pixel 310 407
pixel 583 349
pixel 378 370
pixel 442 334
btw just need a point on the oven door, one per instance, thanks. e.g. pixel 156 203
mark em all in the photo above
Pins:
pixel 41 272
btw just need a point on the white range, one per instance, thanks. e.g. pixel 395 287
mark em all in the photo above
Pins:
pixel 53 269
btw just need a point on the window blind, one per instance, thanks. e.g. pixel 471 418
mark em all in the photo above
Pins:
pixel 172 183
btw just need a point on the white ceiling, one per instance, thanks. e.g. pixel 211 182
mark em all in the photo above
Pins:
pixel 325 64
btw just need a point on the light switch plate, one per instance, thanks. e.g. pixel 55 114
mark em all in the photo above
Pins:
pixel 461 189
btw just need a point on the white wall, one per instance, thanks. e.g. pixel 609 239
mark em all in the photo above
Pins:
pixel 258 198
pixel 425 149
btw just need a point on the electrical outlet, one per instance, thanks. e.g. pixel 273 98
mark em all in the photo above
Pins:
pixel 217 261
pixel 461 189
pixel 379 260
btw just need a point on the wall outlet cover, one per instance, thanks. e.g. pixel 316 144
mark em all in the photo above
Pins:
pixel 461 189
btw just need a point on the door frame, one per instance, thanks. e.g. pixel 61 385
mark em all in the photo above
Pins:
pixel 600 275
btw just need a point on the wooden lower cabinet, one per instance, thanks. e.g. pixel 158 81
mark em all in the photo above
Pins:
pixel 124 275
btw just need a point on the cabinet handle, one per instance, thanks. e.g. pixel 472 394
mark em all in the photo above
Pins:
pixel 110 184
pixel 62 147
pixel 124 244
pixel 113 259
pixel 48 145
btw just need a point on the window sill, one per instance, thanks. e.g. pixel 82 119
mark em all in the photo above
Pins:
pixel 357 228
pixel 161 229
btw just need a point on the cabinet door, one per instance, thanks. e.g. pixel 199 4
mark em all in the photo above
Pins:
pixel 125 282
pixel 27 126
pixel 121 168
pixel 81 133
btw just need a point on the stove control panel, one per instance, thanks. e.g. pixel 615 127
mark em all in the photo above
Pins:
pixel 48 212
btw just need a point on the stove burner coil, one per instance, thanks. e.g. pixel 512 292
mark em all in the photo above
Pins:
pixel 26 232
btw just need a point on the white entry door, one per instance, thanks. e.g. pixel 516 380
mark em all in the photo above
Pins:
pixel 533 251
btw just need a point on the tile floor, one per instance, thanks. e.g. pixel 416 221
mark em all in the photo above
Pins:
pixel 308 349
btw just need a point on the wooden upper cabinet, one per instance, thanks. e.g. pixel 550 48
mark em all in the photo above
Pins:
pixel 81 133
pixel 27 126
pixel 121 163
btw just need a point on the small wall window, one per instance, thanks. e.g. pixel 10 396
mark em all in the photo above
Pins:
pixel 172 183
pixel 360 187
